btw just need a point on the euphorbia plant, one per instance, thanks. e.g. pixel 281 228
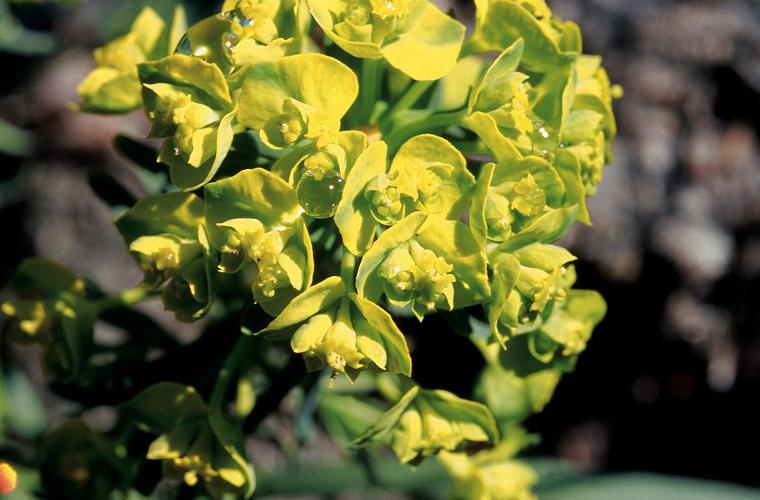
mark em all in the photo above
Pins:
pixel 326 178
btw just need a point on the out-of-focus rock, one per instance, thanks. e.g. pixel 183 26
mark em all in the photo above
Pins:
pixel 702 251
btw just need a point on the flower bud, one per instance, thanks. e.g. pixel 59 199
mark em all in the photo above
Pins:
pixel 77 462
pixel 161 257
pixel 297 122
pixel 191 452
pixel 385 201
pixel 499 217
pixel 527 198
pixel 52 310
pixel 328 342
pixel 486 477
pixel 425 422
pixel 414 275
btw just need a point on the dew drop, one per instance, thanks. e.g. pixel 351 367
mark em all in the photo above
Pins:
pixel 545 140
pixel 185 46
pixel 320 198
pixel 212 38
pixel 230 40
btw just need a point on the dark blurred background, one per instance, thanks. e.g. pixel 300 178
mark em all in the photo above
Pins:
pixel 667 383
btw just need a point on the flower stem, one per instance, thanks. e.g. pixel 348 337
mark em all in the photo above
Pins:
pixel 347 267
pixel 407 100
pixel 369 89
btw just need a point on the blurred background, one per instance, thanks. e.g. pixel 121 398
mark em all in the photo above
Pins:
pixel 668 382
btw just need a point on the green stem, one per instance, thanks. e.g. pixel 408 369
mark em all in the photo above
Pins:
pixel 406 101
pixel 369 90
pixel 347 268
pixel 125 298
pixel 229 370
pixel 429 124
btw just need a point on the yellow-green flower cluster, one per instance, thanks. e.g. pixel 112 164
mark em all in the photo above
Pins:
pixel 52 310
pixel 338 164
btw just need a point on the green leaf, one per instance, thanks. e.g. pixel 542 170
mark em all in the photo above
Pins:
pixel 375 324
pixel 315 299
pixel 541 171
pixel 160 407
pixel 35 274
pixel 315 80
pixel 386 422
pixel 477 215
pixel 425 422
pixel 506 268
pixel 571 324
pixel 179 214
pixel 430 48
pixel 635 486
pixel 436 173
pixel 367 282
pixel 548 228
pixel 542 256
pixel 53 311
pixel 452 91
pixel 413 36
pixel 231 440
pixel 345 417
pixel 513 398
pixel 495 77
pixel 484 125
pixel 15 141
pixel 353 216
pixel 193 73
pixel 186 177
pixel 569 170
pixel 554 96
pixel 250 194
pixel 499 23
pixel 454 241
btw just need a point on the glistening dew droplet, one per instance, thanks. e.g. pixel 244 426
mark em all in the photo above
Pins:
pixel 185 46
pixel 212 38
pixel 544 139
pixel 230 40
pixel 320 198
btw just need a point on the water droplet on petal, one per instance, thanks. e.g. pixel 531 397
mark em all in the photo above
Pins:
pixel 230 40
pixel 545 140
pixel 207 39
pixel 320 198
pixel 185 46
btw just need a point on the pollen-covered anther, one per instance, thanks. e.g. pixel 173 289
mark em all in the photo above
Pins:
pixel 194 468
pixel 336 362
